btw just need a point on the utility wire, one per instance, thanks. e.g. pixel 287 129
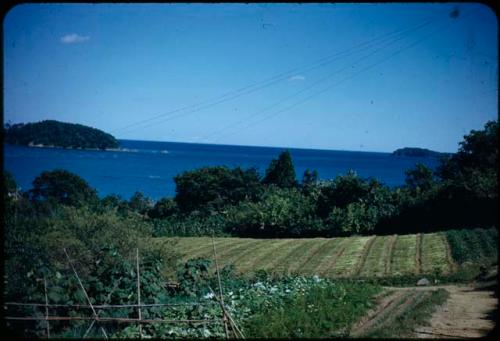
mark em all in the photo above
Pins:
pixel 392 55
pixel 321 80
pixel 270 81
pixel 261 87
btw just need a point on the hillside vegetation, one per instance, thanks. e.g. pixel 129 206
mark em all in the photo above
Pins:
pixel 361 234
pixel 417 152
pixel 58 134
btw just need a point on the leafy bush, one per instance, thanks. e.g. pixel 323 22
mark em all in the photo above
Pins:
pixel 281 172
pixel 280 212
pixel 340 192
pixel 419 177
pixel 192 225
pixel 323 310
pixel 163 208
pixel 356 218
pixel 140 203
pixel 211 188
pixel 473 246
pixel 63 187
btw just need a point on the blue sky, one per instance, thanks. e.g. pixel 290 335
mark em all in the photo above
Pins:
pixel 399 74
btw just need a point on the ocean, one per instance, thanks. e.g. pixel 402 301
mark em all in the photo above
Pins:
pixel 149 167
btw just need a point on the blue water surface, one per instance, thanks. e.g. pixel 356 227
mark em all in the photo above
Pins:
pixel 149 167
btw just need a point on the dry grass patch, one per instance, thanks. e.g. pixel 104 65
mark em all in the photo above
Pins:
pixel 404 254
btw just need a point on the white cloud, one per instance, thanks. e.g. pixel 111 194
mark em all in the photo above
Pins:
pixel 74 38
pixel 297 78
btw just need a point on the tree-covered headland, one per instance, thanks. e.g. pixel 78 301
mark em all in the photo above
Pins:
pixel 58 134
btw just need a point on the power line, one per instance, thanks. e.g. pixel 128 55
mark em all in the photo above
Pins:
pixel 312 85
pixel 268 82
pixel 341 81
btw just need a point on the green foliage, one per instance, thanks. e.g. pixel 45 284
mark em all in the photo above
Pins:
pixel 340 192
pixel 63 187
pixel 420 152
pixel 192 225
pixel 55 133
pixel 211 188
pixel 417 313
pixel 324 310
pixel 356 218
pixel 419 177
pixel 474 166
pixel 163 208
pixel 140 203
pixel 281 172
pixel 114 202
pixel 193 276
pixel 309 177
pixel 279 212
pixel 473 246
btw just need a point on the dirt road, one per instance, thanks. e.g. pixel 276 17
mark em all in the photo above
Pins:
pixel 466 314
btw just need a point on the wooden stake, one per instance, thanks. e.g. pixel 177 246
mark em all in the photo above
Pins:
pixel 138 291
pixel 104 319
pixel 235 327
pixel 46 307
pixel 224 318
pixel 107 300
pixel 85 292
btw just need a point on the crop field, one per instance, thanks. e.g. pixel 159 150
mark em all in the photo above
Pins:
pixel 362 256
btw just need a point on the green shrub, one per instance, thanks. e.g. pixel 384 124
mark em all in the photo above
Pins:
pixel 63 187
pixel 280 212
pixel 319 312
pixel 281 172
pixel 211 188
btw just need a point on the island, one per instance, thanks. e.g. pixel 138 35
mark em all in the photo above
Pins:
pixel 51 133
pixel 417 152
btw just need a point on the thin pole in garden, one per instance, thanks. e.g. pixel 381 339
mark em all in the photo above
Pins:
pixel 224 318
pixel 85 292
pixel 138 291
pixel 107 301
pixel 46 306
pixel 232 323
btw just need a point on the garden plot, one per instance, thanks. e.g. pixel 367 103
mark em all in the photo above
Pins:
pixel 376 260
pixel 433 256
pixel 404 254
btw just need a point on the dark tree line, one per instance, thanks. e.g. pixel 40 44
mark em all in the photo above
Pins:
pixel 60 134
pixel 461 193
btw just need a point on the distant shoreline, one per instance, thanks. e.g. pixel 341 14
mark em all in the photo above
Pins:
pixel 122 150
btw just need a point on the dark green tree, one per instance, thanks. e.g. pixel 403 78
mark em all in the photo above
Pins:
pixel 10 189
pixel 309 178
pixel 419 177
pixel 281 172
pixel 474 167
pixel 63 187
pixel 211 188
pixel 342 191
pixel 140 203
pixel 163 208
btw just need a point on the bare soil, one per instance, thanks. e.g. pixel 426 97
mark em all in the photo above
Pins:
pixel 468 312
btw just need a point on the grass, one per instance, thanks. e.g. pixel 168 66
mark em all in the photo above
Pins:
pixel 433 256
pixel 404 255
pixel 347 262
pixel 376 259
pixel 415 314
pixel 319 312
pixel 441 254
